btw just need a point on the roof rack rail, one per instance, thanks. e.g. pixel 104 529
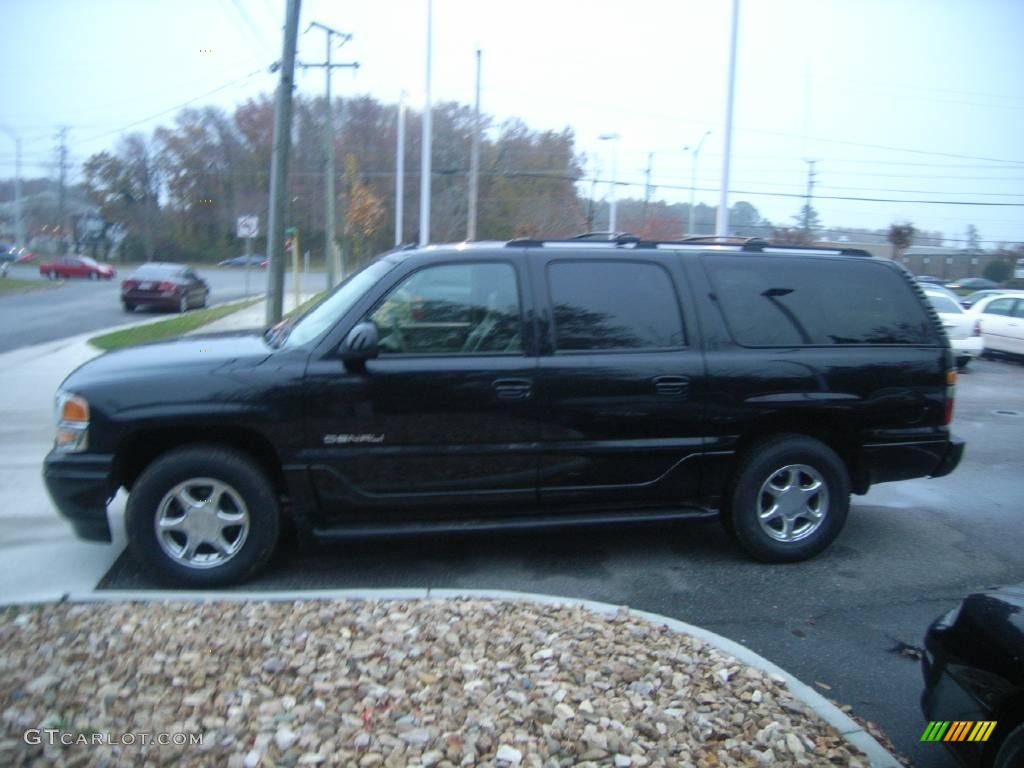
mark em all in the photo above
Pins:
pixel 694 242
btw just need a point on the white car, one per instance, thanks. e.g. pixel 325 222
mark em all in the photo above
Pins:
pixel 963 328
pixel 1002 323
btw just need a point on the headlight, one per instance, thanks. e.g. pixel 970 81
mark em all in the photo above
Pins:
pixel 72 423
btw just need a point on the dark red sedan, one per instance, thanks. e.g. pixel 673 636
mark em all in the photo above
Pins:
pixel 76 266
pixel 164 284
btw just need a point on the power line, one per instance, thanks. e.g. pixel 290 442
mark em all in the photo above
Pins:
pixel 175 108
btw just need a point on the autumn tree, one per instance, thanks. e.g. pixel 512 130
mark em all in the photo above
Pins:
pixel 901 236
pixel 364 213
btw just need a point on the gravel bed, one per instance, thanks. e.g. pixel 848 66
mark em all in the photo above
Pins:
pixel 389 683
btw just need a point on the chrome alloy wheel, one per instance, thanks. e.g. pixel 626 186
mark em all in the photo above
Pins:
pixel 792 503
pixel 201 523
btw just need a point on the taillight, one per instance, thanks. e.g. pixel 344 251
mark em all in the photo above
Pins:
pixel 950 395
pixel 166 287
pixel 977 327
pixel 128 284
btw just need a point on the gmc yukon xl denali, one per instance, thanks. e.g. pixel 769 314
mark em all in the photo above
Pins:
pixel 524 384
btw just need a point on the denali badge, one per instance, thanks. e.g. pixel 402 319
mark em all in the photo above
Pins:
pixel 340 439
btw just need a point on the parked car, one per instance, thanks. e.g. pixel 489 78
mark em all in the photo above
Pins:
pixel 255 260
pixel 973 666
pixel 536 383
pixel 23 256
pixel 973 283
pixel 76 266
pixel 964 330
pixel 8 254
pixel 1002 323
pixel 166 285
pixel 930 279
pixel 971 299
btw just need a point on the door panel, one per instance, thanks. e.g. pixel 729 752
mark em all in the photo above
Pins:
pixel 997 325
pixel 615 390
pixel 443 423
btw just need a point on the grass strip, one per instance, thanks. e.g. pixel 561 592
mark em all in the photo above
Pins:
pixel 167 329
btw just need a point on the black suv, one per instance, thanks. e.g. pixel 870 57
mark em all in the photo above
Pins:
pixel 530 383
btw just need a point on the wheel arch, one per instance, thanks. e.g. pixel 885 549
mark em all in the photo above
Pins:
pixel 838 436
pixel 144 446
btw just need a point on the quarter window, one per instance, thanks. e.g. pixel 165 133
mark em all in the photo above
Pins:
pixel 605 305
pixel 780 301
pixel 452 309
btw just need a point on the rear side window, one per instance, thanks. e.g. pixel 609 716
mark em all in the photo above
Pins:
pixel 779 301
pixel 999 307
pixel 606 305
pixel 944 304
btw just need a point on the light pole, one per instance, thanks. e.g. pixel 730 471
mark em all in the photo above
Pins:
pixel 694 156
pixel 19 225
pixel 614 138
pixel 425 141
pixel 722 222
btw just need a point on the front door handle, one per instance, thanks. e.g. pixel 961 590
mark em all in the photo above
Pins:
pixel 513 389
pixel 672 386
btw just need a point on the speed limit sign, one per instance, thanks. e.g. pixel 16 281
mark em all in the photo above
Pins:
pixel 248 226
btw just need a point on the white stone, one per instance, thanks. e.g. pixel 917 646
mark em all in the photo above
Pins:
pixel 510 755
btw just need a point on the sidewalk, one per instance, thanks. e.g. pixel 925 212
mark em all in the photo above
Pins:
pixel 40 558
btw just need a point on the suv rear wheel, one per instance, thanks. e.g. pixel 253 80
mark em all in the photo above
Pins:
pixel 203 516
pixel 789 499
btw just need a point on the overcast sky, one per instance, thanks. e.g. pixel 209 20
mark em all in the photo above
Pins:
pixel 904 99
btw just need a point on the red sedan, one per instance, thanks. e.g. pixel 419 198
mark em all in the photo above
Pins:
pixel 76 266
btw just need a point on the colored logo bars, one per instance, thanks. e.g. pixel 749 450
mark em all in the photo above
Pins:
pixel 958 730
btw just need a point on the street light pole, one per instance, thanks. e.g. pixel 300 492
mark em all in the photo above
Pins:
pixel 695 155
pixel 614 138
pixel 426 139
pixel 722 223
pixel 400 171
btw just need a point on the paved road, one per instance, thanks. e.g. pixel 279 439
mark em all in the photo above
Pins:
pixel 909 552
pixel 71 307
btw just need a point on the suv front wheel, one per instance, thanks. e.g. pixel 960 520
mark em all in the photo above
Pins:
pixel 202 516
pixel 789 499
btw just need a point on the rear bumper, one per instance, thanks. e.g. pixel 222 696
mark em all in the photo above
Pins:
pixel 81 487
pixel 885 462
pixel 951 459
pixel 968 348
pixel 151 300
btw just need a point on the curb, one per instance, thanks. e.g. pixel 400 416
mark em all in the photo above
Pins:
pixel 877 755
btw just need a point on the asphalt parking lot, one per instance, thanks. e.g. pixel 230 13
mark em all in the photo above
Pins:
pixel 909 552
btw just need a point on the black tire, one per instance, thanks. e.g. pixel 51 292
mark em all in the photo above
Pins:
pixel 803 462
pixel 94 276
pixel 206 297
pixel 183 304
pixel 52 274
pixel 224 465
pixel 1011 751
pixel 128 307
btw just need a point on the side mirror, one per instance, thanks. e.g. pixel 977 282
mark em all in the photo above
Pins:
pixel 361 344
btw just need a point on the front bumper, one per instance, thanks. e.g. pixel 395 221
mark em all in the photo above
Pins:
pixel 81 486
pixel 951 459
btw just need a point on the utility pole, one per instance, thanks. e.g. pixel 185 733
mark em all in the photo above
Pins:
pixel 695 155
pixel 474 159
pixel 647 186
pixel 426 140
pixel 400 172
pixel 809 195
pixel 19 224
pixel 722 220
pixel 329 189
pixel 614 138
pixel 279 166
pixel 62 154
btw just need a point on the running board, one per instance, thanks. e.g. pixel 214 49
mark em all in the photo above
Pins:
pixel 512 523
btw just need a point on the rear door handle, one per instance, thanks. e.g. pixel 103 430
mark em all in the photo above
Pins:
pixel 513 389
pixel 672 386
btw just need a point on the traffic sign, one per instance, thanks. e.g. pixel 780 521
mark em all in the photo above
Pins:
pixel 248 226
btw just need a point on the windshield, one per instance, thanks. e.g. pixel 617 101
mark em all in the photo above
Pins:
pixel 944 304
pixel 325 314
